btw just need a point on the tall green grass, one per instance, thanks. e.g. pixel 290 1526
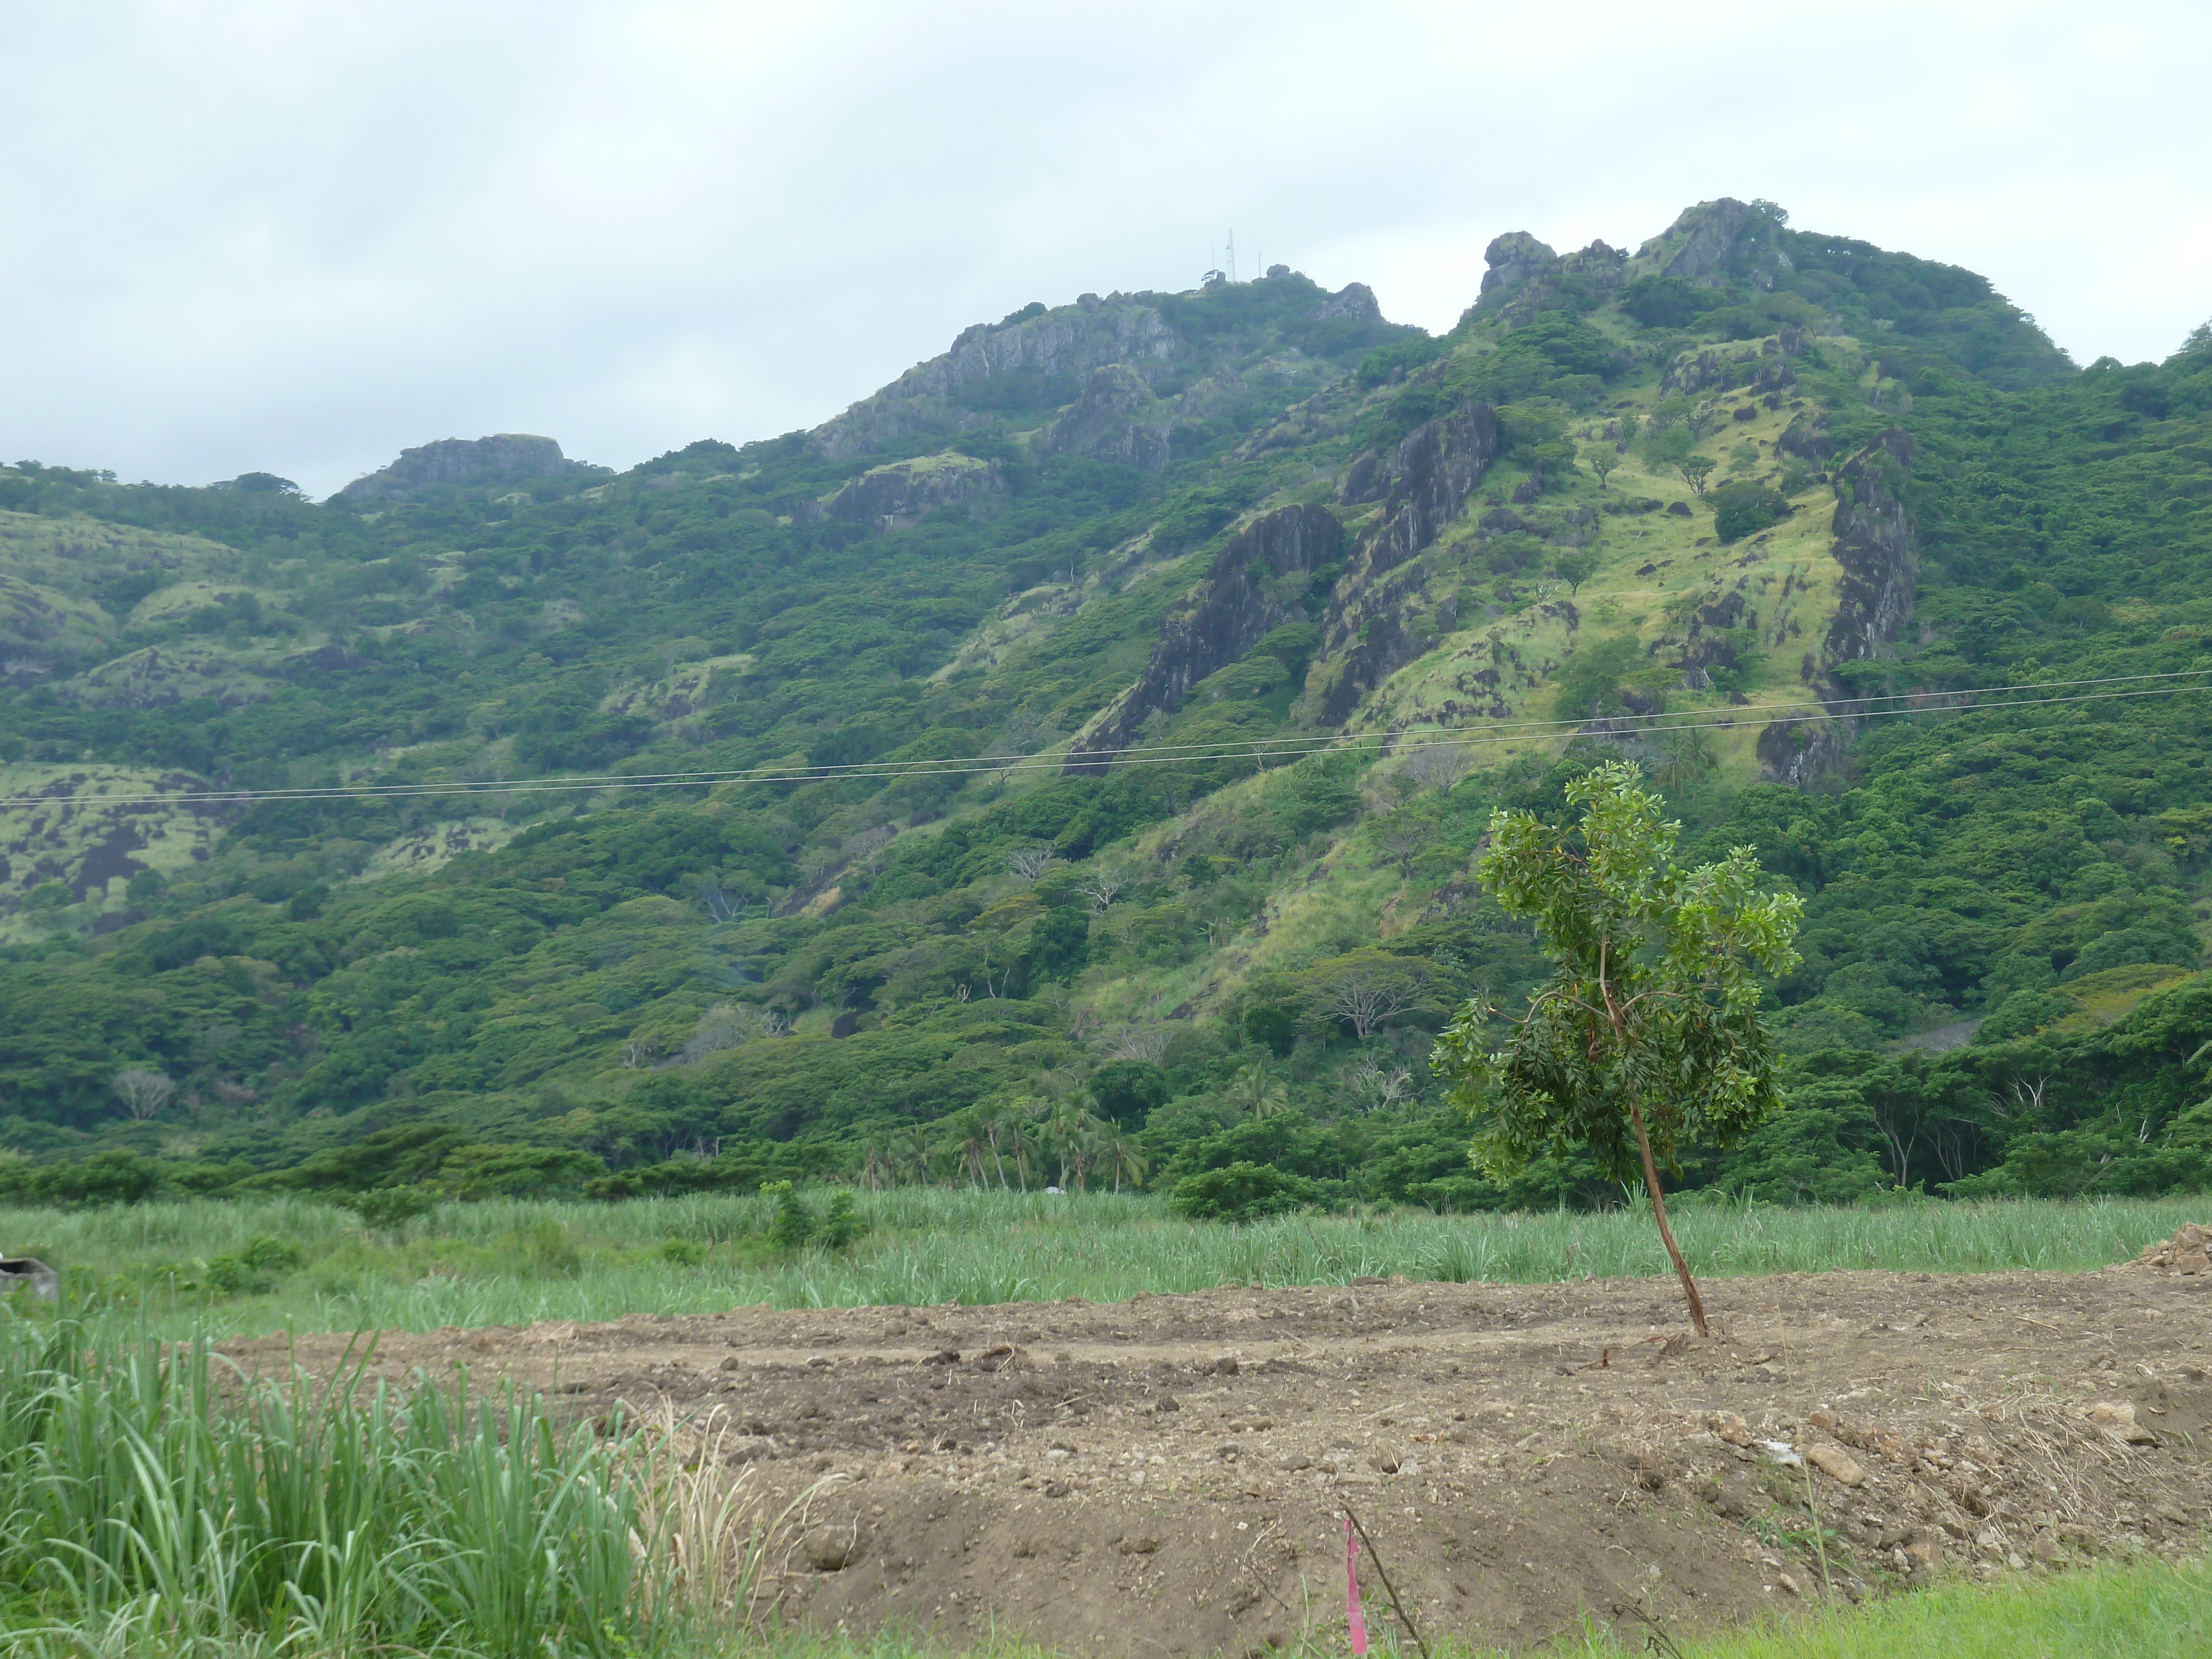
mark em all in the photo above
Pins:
pixel 153 1501
pixel 512 1262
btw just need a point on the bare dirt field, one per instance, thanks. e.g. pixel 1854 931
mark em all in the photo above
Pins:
pixel 1169 1475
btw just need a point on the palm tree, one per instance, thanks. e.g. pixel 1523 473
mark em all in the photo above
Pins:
pixel 1126 1157
pixel 1024 1131
pixel 875 1164
pixel 995 1123
pixel 1252 1090
pixel 909 1149
pixel 974 1149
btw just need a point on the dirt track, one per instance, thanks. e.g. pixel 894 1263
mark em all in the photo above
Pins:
pixel 1169 1474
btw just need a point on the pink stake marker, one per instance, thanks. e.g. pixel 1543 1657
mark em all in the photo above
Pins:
pixel 1352 1613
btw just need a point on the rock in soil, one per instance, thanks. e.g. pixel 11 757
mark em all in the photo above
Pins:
pixel 2189 1251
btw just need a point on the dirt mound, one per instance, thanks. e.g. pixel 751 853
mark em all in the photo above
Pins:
pixel 1169 1474
pixel 2189 1251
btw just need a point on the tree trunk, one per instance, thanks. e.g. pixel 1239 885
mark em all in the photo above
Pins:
pixel 1659 1214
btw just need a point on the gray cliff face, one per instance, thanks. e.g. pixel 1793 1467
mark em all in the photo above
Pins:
pixel 906 492
pixel 1117 418
pixel 1354 302
pixel 1874 601
pixel 1069 342
pixel 1712 241
pixel 1525 274
pixel 1513 259
pixel 505 455
pixel 1240 602
pixel 1422 485
pixel 1873 544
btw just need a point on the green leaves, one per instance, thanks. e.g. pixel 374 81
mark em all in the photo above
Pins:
pixel 1653 1000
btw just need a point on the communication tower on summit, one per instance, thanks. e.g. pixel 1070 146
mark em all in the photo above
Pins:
pixel 1232 256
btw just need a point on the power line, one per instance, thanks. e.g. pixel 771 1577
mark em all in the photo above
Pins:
pixel 1486 734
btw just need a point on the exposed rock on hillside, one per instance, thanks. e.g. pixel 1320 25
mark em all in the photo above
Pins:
pixel 1056 350
pixel 1524 274
pixel 1354 302
pixel 1514 258
pixel 505 455
pixel 1874 599
pixel 1873 544
pixel 1115 419
pixel 1422 485
pixel 1761 365
pixel 1242 599
pixel 906 492
pixel 1713 240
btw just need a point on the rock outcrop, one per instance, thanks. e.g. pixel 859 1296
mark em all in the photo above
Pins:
pixel 1515 258
pixel 1873 544
pixel 1713 241
pixel 502 458
pixel 1242 599
pixel 1525 278
pixel 1353 302
pixel 1058 347
pixel 1370 630
pixel 1760 365
pixel 906 492
pixel 1874 600
pixel 1117 418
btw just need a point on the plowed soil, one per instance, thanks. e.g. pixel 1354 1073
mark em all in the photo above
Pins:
pixel 1169 1475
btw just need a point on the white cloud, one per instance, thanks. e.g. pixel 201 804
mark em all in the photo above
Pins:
pixel 269 236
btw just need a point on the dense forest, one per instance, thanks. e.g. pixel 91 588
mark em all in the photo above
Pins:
pixel 1067 765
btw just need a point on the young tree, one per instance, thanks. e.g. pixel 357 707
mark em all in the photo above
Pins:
pixel 1695 470
pixel 1603 458
pixel 1575 568
pixel 1647 1036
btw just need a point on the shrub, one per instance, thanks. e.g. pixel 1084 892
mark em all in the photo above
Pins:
pixel 1744 509
pixel 796 1224
pixel 255 1270
pixel 840 1222
pixel 1241 1192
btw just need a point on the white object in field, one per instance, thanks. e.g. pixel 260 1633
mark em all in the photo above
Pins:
pixel 18 1271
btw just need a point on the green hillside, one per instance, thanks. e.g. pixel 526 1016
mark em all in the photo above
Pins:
pixel 1128 688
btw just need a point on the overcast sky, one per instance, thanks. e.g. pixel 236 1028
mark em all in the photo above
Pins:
pixel 295 239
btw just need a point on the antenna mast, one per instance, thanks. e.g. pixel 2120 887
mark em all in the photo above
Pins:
pixel 1232 256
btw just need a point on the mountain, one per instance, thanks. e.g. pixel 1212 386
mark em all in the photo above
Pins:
pixel 1125 692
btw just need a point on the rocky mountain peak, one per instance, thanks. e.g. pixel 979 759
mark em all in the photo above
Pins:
pixel 1354 302
pixel 1514 258
pixel 1715 239
pixel 503 456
